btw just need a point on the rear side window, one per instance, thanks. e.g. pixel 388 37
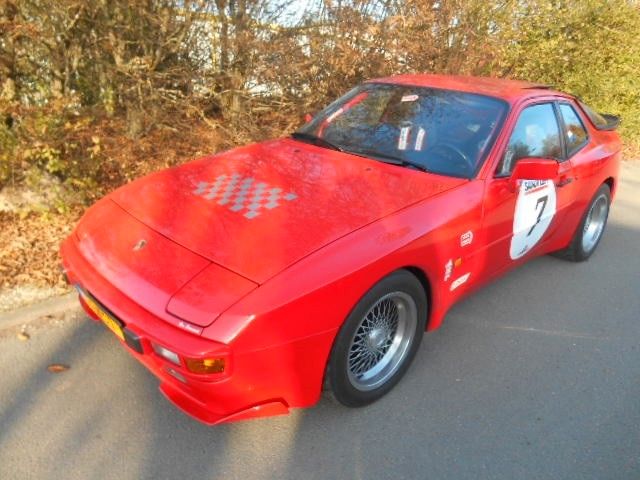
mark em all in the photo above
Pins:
pixel 602 121
pixel 598 120
pixel 536 134
pixel 575 134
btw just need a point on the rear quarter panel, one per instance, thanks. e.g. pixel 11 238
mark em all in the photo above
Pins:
pixel 598 162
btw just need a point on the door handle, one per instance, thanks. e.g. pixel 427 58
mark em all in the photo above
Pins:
pixel 564 181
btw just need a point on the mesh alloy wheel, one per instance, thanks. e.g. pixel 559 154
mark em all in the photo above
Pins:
pixel 594 223
pixel 378 340
pixel 381 342
pixel 591 229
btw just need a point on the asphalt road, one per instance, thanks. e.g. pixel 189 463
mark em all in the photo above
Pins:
pixel 535 377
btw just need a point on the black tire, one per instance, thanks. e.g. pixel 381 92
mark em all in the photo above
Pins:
pixel 359 336
pixel 577 251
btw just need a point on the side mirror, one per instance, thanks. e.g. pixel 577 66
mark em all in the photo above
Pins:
pixel 535 169
pixel 307 117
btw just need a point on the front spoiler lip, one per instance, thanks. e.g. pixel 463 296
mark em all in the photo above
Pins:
pixel 197 410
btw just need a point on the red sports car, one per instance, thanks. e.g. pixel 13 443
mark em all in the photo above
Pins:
pixel 248 280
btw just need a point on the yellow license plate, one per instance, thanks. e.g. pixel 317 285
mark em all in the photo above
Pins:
pixel 107 319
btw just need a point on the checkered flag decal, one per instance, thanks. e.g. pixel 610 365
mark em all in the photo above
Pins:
pixel 243 194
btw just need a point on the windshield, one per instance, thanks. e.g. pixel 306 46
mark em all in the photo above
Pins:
pixel 440 131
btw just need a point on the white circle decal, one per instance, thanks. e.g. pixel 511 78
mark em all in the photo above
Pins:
pixel 535 208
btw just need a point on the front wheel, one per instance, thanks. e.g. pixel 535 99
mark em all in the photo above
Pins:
pixel 590 230
pixel 378 341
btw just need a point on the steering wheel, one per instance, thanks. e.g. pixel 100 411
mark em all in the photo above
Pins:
pixel 448 148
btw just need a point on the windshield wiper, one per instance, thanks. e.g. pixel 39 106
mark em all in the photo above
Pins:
pixel 388 158
pixel 310 138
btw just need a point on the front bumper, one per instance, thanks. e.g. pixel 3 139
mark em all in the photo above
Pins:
pixel 254 385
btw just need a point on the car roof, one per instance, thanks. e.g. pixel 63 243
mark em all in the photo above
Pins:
pixel 506 89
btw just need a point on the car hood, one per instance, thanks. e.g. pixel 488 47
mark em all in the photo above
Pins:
pixel 256 210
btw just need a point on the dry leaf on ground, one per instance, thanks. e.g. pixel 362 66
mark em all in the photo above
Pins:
pixel 58 367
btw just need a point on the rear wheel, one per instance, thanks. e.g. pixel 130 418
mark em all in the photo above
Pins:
pixel 378 341
pixel 589 233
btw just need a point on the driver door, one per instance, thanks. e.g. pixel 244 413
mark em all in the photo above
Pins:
pixel 520 216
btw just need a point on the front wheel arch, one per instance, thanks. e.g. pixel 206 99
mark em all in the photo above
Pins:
pixel 335 357
pixel 426 285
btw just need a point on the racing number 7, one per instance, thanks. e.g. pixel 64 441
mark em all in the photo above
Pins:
pixel 542 200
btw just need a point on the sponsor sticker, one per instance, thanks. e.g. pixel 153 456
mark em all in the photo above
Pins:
pixel 459 281
pixel 466 238
pixel 403 139
pixel 420 139
pixel 535 209
pixel 409 98
pixel 448 269
pixel 532 186
pixel 332 117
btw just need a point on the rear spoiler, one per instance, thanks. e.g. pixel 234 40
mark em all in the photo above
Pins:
pixel 613 121
pixel 602 121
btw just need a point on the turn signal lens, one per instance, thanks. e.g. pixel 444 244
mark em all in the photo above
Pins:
pixel 166 353
pixel 205 365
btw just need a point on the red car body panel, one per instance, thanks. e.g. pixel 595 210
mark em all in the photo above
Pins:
pixel 269 293
pixel 335 194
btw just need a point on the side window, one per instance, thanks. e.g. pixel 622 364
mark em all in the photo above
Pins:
pixel 536 134
pixel 574 134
